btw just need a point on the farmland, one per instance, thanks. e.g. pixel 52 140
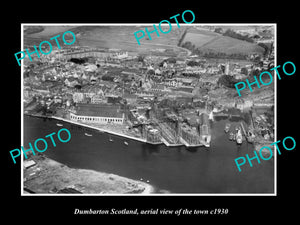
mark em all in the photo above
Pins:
pixel 121 37
pixel 210 42
pixel 117 37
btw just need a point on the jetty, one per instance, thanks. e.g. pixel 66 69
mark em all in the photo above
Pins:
pixel 245 133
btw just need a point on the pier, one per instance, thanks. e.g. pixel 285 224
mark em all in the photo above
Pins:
pixel 244 130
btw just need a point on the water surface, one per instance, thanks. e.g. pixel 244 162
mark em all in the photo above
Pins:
pixel 171 169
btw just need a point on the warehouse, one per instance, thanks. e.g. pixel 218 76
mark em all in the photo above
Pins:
pixel 98 113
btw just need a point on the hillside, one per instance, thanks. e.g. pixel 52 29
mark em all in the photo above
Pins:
pixel 210 42
pixel 117 36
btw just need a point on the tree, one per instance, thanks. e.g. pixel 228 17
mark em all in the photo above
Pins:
pixel 193 63
pixel 188 45
pixel 141 58
pixel 219 30
pixel 233 34
pixel 171 60
pixel 244 70
pixel 227 81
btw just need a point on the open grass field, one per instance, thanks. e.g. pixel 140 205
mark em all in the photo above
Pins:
pixel 45 31
pixel 122 37
pixel 208 41
pixel 118 37
pixel 198 39
pixel 230 45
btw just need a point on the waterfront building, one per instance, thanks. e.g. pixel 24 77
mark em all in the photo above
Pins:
pixel 226 69
pixel 78 97
pixel 205 129
pixel 98 113
pixel 97 99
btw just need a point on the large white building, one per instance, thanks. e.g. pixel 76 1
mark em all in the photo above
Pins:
pixel 98 113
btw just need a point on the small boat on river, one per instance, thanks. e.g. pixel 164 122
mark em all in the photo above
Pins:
pixel 89 135
pixel 239 137
pixel 231 135
pixel 59 125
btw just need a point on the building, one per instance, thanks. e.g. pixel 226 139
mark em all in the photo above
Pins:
pixel 78 97
pixel 97 99
pixel 227 68
pixel 98 113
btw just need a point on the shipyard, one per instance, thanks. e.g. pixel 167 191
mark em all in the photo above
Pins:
pixel 167 93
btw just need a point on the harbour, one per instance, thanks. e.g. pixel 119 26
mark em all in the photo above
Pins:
pixel 175 169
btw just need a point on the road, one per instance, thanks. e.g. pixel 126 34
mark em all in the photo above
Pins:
pixel 188 52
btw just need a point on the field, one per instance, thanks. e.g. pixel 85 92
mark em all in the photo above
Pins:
pixel 230 45
pixel 45 31
pixel 122 37
pixel 118 37
pixel 198 39
pixel 208 41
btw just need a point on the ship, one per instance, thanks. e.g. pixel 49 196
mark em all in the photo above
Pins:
pixel 89 135
pixel 207 142
pixel 239 137
pixel 231 135
pixel 211 116
pixel 227 127
pixel 125 142
pixel 250 136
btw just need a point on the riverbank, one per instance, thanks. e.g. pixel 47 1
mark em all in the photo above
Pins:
pixel 47 176
pixel 101 129
pixel 175 170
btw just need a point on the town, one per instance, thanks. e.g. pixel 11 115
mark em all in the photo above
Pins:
pixel 157 98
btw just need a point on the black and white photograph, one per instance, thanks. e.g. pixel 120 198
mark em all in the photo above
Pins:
pixel 148 112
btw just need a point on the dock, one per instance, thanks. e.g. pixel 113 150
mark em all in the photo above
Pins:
pixel 100 129
pixel 189 145
pixel 244 131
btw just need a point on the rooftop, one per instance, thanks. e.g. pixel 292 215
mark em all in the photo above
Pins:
pixel 98 110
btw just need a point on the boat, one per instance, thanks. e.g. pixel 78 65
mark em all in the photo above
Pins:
pixel 239 137
pixel 59 125
pixel 207 142
pixel 125 142
pixel 211 116
pixel 89 135
pixel 110 139
pixel 250 136
pixel 227 127
pixel 231 135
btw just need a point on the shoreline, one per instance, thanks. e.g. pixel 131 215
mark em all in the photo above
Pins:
pixel 99 129
pixel 49 177
pixel 147 188
pixel 95 128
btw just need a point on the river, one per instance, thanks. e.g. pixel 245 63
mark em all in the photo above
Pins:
pixel 169 169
